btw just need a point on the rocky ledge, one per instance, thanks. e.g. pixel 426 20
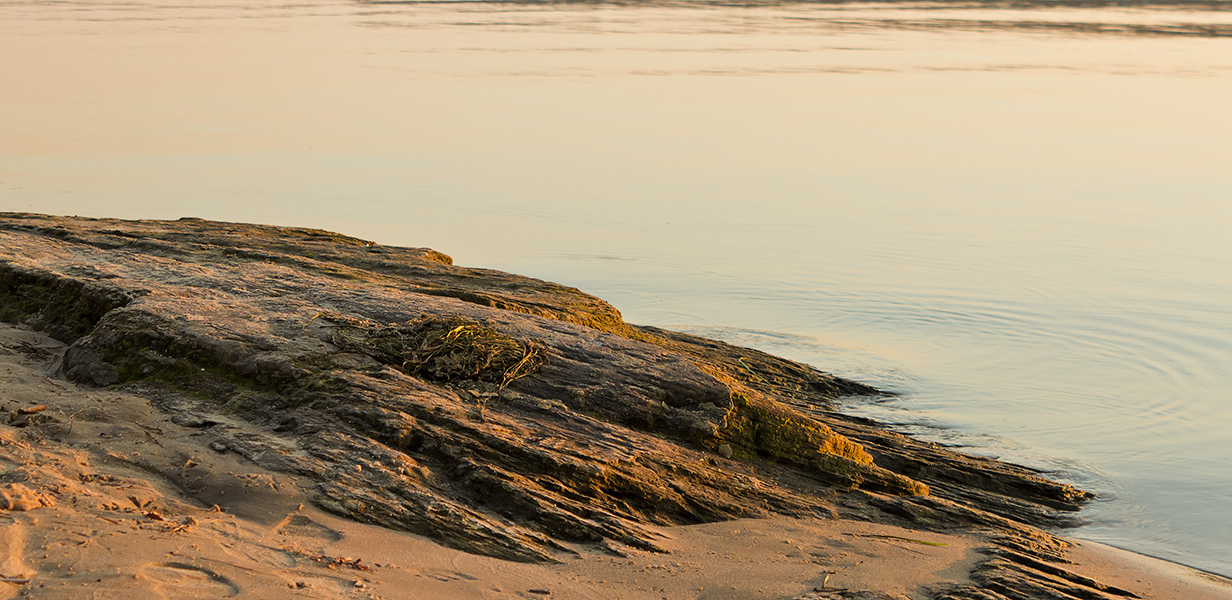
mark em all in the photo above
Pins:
pixel 497 414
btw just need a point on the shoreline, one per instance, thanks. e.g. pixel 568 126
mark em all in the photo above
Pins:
pixel 1185 574
pixel 611 449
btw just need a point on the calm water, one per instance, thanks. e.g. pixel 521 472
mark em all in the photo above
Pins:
pixel 1016 216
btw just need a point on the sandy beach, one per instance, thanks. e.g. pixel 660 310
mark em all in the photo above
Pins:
pixel 84 515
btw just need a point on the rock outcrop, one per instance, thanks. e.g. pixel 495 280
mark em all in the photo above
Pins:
pixel 495 413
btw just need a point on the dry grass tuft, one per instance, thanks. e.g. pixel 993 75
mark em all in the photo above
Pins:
pixel 441 349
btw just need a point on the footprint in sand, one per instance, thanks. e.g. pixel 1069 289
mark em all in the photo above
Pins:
pixel 12 544
pixel 300 525
pixel 262 554
pixel 446 576
pixel 182 580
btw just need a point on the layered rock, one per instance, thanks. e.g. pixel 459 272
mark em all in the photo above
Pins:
pixel 498 414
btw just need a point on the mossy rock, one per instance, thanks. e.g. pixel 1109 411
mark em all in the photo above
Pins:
pixel 64 308
pixel 759 427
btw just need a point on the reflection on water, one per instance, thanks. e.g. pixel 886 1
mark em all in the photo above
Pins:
pixel 1014 215
pixel 821 17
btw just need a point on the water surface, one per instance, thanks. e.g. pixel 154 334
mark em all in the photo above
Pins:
pixel 1015 215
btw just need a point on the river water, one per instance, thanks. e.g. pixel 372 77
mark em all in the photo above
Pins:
pixel 1015 215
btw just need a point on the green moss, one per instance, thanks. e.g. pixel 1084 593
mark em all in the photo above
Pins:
pixel 64 308
pixel 145 347
pixel 134 362
pixel 867 476
pixel 759 426
pixel 787 436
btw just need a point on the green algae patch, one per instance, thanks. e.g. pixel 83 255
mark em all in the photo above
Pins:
pixel 759 427
pixel 767 428
pixel 63 307
pixel 132 345
pixel 441 349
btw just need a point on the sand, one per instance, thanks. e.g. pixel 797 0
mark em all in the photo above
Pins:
pixel 86 511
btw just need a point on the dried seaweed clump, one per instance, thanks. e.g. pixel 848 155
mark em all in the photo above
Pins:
pixel 441 349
